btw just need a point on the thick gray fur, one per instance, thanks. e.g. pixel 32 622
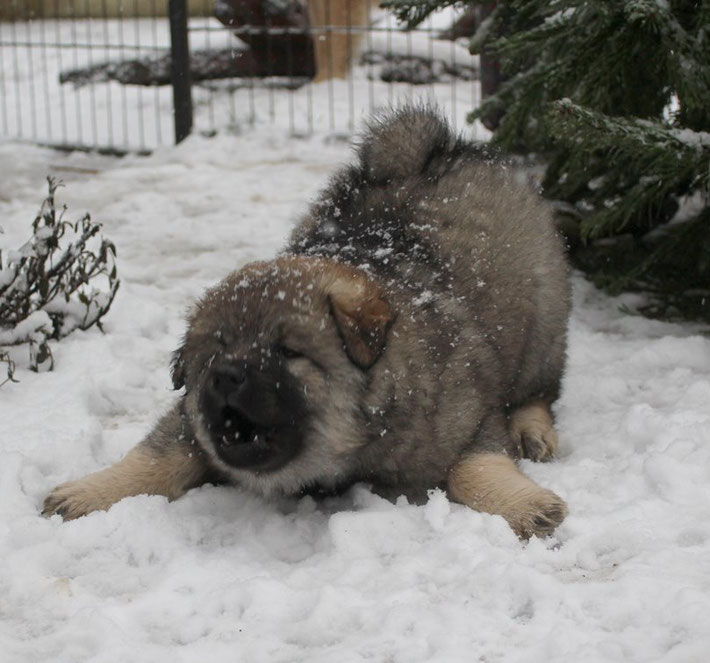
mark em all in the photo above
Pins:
pixel 475 277
pixel 477 274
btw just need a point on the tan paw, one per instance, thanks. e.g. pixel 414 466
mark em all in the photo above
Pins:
pixel 494 484
pixel 76 498
pixel 540 517
pixel 531 426
pixel 539 445
pixel 140 472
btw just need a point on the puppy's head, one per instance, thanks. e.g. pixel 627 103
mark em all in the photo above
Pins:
pixel 274 364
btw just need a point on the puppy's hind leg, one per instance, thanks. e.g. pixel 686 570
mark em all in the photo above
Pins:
pixel 532 428
pixel 491 482
pixel 165 463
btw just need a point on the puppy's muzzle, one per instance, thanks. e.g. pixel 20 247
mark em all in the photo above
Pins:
pixel 226 406
pixel 227 383
pixel 245 419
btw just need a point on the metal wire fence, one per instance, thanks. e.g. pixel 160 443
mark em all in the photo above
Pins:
pixel 96 74
pixel 37 47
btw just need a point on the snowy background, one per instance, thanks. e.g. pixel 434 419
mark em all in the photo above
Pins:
pixel 35 107
pixel 223 576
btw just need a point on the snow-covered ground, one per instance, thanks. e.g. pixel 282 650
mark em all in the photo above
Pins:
pixel 223 576
pixel 220 575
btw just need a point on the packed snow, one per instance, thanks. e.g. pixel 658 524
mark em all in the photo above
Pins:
pixel 222 575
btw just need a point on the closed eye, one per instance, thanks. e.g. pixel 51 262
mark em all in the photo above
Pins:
pixel 222 338
pixel 289 353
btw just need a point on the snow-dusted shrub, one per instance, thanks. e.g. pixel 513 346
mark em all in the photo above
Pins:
pixel 47 286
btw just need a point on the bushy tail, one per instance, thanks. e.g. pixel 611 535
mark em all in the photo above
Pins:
pixel 400 143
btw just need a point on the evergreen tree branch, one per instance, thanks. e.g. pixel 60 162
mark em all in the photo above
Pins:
pixel 674 162
pixel 615 95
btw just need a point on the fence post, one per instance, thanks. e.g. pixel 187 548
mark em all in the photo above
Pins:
pixel 180 69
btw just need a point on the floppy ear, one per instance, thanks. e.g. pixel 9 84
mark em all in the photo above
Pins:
pixel 177 369
pixel 363 318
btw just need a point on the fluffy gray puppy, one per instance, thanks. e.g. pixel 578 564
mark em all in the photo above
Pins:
pixel 411 336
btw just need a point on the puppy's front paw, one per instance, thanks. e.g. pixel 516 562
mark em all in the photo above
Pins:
pixel 540 516
pixel 142 471
pixel 76 498
pixel 493 483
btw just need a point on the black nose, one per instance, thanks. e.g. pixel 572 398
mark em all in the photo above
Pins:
pixel 227 379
